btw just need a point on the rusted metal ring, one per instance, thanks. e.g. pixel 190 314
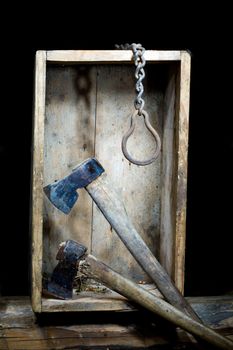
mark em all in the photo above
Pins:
pixel 129 133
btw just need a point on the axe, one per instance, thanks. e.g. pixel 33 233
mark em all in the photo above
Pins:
pixel 73 255
pixel 89 175
pixel 61 282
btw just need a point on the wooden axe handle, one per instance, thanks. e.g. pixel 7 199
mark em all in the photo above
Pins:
pixel 92 267
pixel 114 211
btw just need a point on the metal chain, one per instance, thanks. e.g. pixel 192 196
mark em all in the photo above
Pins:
pixel 139 61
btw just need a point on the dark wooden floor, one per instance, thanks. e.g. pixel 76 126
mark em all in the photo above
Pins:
pixel 21 330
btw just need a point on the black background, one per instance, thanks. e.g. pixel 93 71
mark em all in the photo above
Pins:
pixel 206 33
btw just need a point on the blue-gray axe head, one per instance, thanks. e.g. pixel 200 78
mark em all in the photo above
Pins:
pixel 63 193
pixel 60 285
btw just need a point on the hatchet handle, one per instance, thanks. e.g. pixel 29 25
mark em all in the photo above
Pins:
pixel 94 268
pixel 114 211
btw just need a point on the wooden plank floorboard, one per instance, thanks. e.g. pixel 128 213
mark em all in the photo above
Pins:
pixel 19 330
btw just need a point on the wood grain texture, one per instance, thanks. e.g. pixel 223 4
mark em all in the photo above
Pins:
pixel 215 311
pixel 19 331
pixel 94 268
pixel 86 113
pixel 69 139
pixel 182 151
pixel 110 204
pixel 108 56
pixel 93 301
pixel 37 178
pixel 16 312
pixel 105 336
pixel 167 211
pixel 137 186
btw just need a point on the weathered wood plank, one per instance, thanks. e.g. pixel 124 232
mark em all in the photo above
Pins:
pixel 3 341
pixel 215 311
pixel 94 268
pixel 73 115
pixel 167 212
pixel 93 301
pixel 108 56
pixel 85 304
pixel 138 186
pixel 37 179
pixel 111 206
pixel 69 139
pixel 16 312
pixel 82 336
pixel 92 337
pixel 182 151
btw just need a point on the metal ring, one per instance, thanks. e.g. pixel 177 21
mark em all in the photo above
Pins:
pixel 129 133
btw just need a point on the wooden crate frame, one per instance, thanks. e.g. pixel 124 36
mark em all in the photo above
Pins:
pixel 179 204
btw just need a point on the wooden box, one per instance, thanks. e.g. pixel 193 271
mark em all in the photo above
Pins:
pixel 83 100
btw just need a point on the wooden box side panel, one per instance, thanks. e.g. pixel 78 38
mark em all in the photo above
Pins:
pixel 69 139
pixel 182 154
pixel 37 180
pixel 138 186
pixel 81 124
pixel 174 171
pixel 109 56
pixel 168 175
pixel 97 108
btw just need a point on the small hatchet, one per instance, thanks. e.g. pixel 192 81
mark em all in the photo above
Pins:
pixel 73 254
pixel 89 175
pixel 61 282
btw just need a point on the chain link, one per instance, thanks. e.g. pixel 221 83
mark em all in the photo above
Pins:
pixel 139 61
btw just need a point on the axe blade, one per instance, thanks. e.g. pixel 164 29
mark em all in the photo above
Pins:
pixel 61 196
pixel 60 284
pixel 62 193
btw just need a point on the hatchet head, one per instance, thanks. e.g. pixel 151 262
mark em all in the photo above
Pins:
pixel 61 282
pixel 63 193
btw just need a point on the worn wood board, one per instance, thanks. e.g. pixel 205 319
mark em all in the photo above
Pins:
pixel 86 301
pixel 19 330
pixel 37 178
pixel 69 139
pixel 109 56
pixel 215 311
pixel 78 126
pixel 168 176
pixel 85 113
pixel 182 132
pixel 139 187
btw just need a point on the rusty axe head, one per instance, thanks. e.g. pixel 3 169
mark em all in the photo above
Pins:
pixel 60 284
pixel 63 194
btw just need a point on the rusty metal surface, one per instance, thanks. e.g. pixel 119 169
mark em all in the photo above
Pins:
pixel 61 283
pixel 140 62
pixel 130 132
pixel 63 193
